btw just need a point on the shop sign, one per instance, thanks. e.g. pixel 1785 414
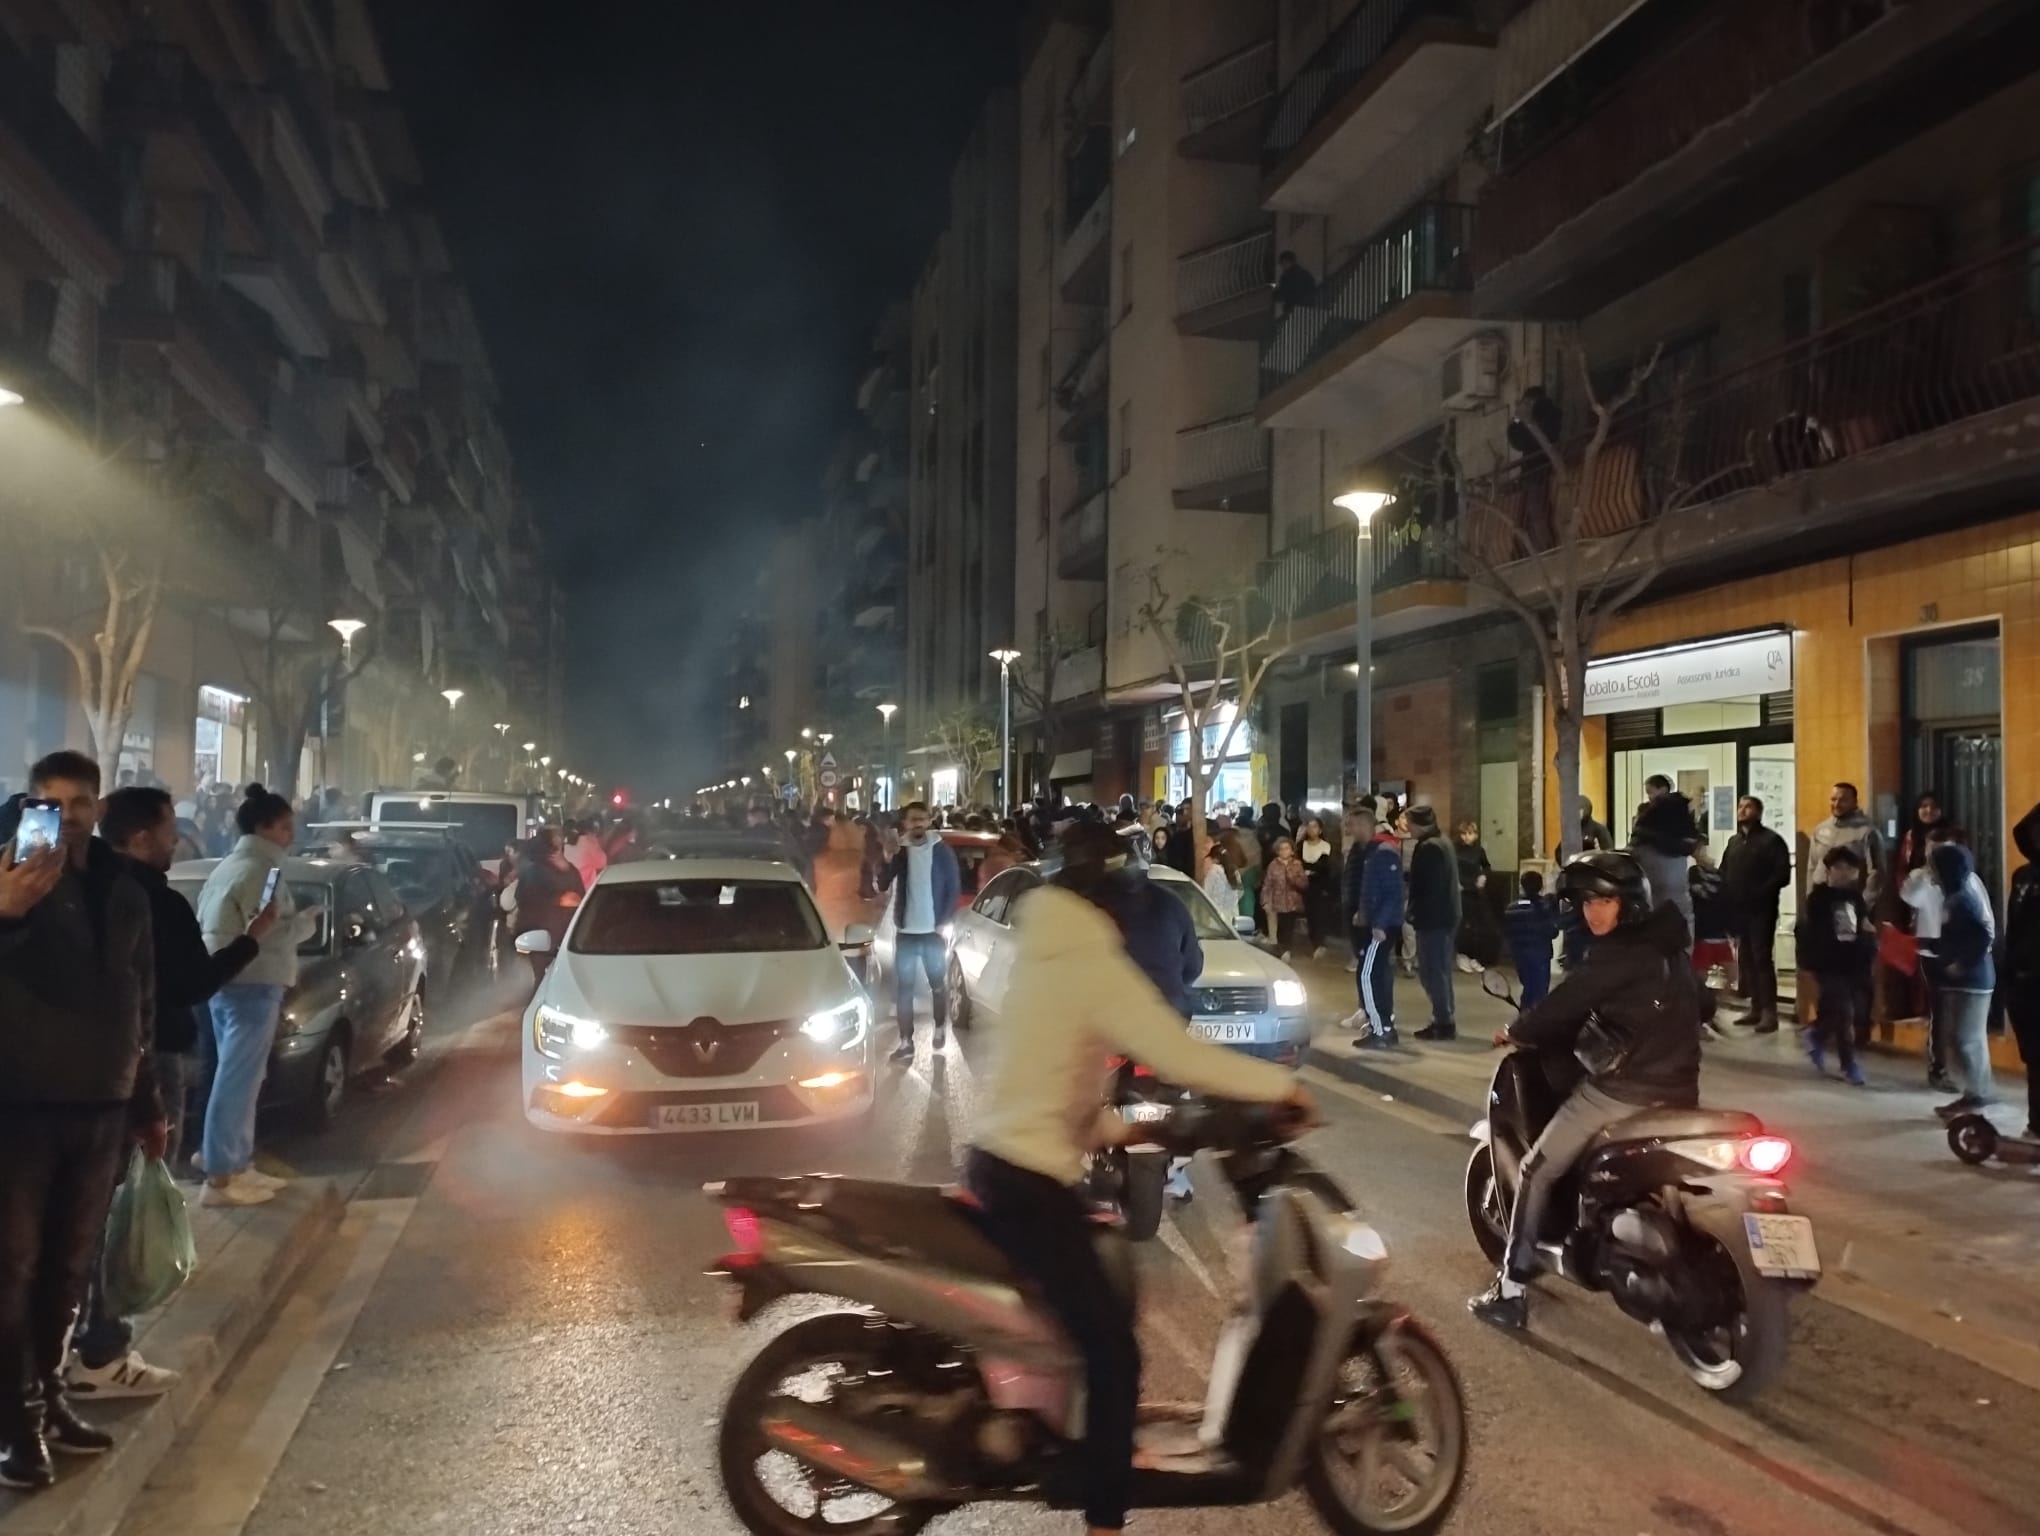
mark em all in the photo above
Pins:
pixel 1699 673
pixel 1151 733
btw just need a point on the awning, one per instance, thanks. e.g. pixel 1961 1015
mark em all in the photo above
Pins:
pixel 1544 39
pixel 1070 765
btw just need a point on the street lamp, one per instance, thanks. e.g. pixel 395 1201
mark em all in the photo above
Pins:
pixel 346 629
pixel 1365 500
pixel 502 729
pixel 453 696
pixel 545 762
pixel 530 747
pixel 1005 658
pixel 417 757
pixel 806 734
pixel 887 711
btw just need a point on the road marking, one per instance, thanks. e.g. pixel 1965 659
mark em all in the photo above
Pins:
pixel 1322 1081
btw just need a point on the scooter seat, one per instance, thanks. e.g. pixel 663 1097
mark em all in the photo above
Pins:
pixel 1677 1124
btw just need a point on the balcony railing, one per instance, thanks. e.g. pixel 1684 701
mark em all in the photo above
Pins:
pixel 1090 98
pixel 1233 85
pixel 156 81
pixel 1315 575
pixel 1081 380
pixel 292 429
pixel 1230 270
pixel 1951 349
pixel 1354 47
pixel 161 301
pixel 1735 54
pixel 1083 248
pixel 1426 249
pixel 294 91
pixel 29 109
pixel 1080 545
pixel 1228 452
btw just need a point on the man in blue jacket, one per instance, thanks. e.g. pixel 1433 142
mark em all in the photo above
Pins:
pixel 1375 900
pixel 926 886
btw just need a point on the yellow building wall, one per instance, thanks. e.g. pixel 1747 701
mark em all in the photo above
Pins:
pixel 1836 609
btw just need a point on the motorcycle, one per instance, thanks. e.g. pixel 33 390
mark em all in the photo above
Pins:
pixel 1133 1180
pixel 1678 1214
pixel 951 1384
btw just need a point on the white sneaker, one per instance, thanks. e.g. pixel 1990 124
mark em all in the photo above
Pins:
pixel 1353 966
pixel 129 1377
pixel 236 1191
pixel 1355 1020
pixel 261 1180
pixel 1318 953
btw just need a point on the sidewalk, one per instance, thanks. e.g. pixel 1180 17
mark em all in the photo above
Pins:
pixel 247 1258
pixel 1910 1236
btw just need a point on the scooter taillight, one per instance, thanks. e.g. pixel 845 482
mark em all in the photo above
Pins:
pixel 1765 1154
pixel 1140 1071
pixel 742 1224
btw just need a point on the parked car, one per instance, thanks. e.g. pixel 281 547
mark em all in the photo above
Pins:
pixel 768 843
pixel 1246 998
pixel 359 1002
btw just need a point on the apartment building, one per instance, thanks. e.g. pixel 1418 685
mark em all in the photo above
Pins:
pixel 1822 221
pixel 220 275
pixel 1144 272
pixel 960 484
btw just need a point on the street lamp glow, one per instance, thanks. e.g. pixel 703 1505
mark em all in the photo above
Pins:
pixel 791 754
pixel 545 762
pixel 1364 503
pixel 747 781
pixel 826 737
pixel 531 746
pixel 453 696
pixel 346 629
pixel 9 397
pixel 888 710
pixel 417 757
pixel 1365 499
pixel 806 734
pixel 1005 657
pixel 563 773
pixel 501 728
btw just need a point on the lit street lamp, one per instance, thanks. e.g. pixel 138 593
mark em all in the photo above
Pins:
pixel 1005 658
pixel 502 729
pixel 453 696
pixel 1365 502
pixel 891 780
pixel 346 629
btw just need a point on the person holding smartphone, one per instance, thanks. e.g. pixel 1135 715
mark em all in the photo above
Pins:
pixel 245 1011
pixel 77 1010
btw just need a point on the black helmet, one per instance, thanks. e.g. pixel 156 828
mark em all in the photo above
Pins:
pixel 1607 872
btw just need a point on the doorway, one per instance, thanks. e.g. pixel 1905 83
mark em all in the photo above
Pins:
pixel 1294 745
pixel 1954 738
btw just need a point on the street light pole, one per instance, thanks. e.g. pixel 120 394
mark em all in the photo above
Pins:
pixel 892 783
pixel 1005 658
pixel 1365 503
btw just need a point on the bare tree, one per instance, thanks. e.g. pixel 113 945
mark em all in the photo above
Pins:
pixel 966 740
pixel 1035 681
pixel 296 671
pixel 1531 536
pixel 1220 644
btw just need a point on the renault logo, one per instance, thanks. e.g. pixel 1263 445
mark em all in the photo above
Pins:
pixel 704 1050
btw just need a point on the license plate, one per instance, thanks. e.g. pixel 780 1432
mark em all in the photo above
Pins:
pixel 1229 1034
pixel 1783 1246
pixel 699 1115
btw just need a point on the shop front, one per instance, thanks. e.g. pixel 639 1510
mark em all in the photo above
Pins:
pixel 222 739
pixel 1237 778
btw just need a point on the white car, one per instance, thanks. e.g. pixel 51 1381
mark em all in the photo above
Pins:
pixel 1245 998
pixel 696 996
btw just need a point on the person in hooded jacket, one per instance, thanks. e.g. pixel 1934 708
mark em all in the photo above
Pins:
pixel 1635 985
pixel 2019 974
pixel 1664 841
pixel 1076 998
pixel 1966 977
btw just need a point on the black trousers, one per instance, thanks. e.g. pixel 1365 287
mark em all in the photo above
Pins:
pixel 2023 1014
pixel 1044 1229
pixel 1756 956
pixel 57 1172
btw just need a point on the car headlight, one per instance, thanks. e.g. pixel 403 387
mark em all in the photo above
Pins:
pixel 555 1032
pixel 842 1026
pixel 1289 993
pixel 417 949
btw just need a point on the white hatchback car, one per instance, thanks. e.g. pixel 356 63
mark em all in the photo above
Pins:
pixel 1245 997
pixel 696 996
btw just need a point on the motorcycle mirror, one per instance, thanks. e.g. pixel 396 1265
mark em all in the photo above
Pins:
pixel 1495 987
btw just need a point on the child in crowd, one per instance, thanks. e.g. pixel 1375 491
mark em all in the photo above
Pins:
pixel 1837 944
pixel 1285 887
pixel 1531 924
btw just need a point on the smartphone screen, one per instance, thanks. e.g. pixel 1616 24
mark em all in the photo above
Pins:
pixel 269 886
pixel 41 821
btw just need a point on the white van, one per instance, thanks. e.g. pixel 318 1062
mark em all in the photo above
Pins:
pixel 484 823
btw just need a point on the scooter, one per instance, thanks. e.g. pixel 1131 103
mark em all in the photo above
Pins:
pixel 1976 1141
pixel 1678 1214
pixel 1132 1180
pixel 951 1385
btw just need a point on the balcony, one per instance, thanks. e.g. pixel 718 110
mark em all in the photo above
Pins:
pixel 1079 674
pixel 305 123
pixel 1380 324
pixel 1080 392
pixel 1222 466
pixel 162 306
pixel 1224 291
pixel 159 95
pixel 1225 106
pixel 1089 103
pixel 1080 540
pixel 1715 127
pixel 293 453
pixel 1392 71
pixel 1418 580
pixel 351 266
pixel 42 147
pixel 283 281
pixel 1082 272
pixel 1923 406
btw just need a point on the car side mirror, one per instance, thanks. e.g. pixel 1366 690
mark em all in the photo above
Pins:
pixel 858 936
pixel 536 942
pixel 1244 927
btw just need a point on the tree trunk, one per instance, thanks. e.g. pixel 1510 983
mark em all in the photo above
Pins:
pixel 1566 726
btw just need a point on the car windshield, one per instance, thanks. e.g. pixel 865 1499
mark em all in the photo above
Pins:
pixel 719 845
pixel 423 876
pixel 1202 913
pixel 697 917
pixel 486 830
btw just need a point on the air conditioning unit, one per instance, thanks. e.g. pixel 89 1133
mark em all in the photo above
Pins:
pixel 1472 373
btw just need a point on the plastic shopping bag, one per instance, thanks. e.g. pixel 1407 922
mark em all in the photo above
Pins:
pixel 149 1249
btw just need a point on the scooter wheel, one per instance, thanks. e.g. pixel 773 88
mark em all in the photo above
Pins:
pixel 1485 1211
pixel 1973 1139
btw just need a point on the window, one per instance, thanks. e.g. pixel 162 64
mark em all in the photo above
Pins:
pixel 388 905
pixel 697 917
pixel 1125 436
pixel 1126 279
pixel 359 919
pixel 995 904
pixel 1203 915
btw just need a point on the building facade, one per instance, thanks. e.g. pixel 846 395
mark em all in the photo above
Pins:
pixel 240 339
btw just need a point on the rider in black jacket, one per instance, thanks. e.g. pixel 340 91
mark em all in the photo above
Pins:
pixel 1643 1052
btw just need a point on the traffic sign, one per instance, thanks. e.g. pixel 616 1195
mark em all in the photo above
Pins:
pixel 829 760
pixel 827 778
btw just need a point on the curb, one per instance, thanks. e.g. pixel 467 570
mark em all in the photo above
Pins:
pixel 201 1334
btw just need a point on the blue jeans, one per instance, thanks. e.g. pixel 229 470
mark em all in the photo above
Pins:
pixel 1376 980
pixel 1965 1018
pixel 1533 973
pixel 1434 970
pixel 927 953
pixel 244 1018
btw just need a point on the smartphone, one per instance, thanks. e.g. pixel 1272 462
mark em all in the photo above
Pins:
pixel 269 888
pixel 41 824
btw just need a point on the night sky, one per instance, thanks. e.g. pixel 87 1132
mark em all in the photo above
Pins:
pixel 679 222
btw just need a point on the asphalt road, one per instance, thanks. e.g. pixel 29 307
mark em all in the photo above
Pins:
pixel 513 1335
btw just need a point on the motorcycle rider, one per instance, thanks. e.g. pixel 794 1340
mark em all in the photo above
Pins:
pixel 1075 998
pixel 1641 1052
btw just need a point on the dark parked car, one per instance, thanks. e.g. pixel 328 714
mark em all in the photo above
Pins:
pixel 359 1003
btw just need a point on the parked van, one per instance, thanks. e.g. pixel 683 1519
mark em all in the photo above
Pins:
pixel 484 824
